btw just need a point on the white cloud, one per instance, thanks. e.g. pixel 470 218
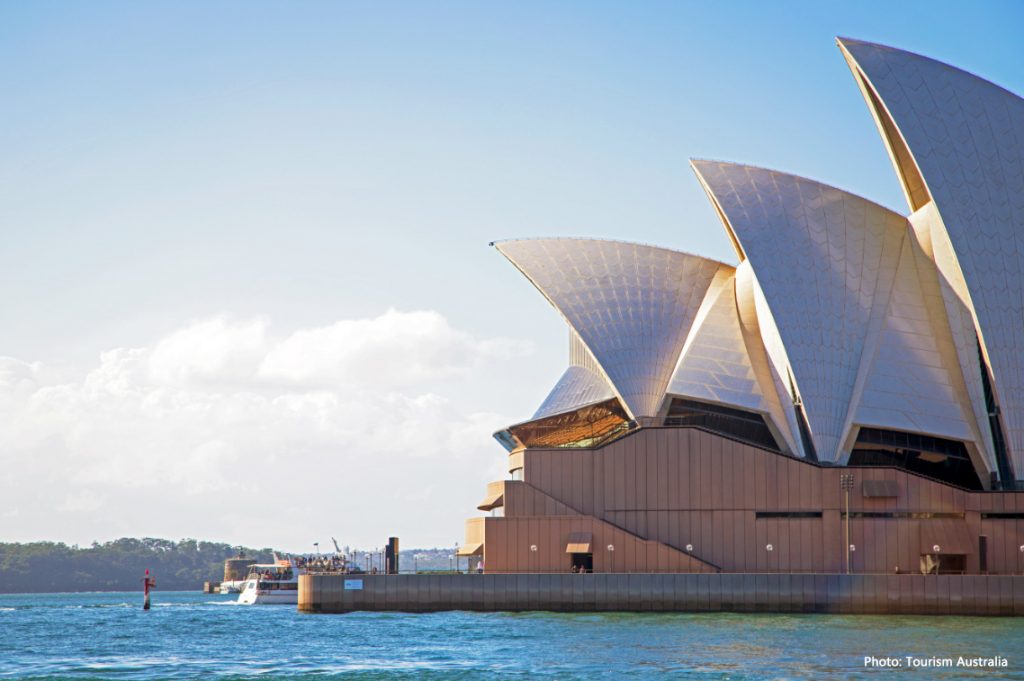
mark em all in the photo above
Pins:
pixel 15 374
pixel 395 349
pixel 223 430
pixel 213 350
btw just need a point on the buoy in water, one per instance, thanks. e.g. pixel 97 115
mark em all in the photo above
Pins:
pixel 147 584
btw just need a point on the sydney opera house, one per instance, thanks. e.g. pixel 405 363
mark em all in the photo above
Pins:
pixel 848 396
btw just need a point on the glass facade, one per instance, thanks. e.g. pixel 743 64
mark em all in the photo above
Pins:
pixel 936 457
pixel 589 426
pixel 735 423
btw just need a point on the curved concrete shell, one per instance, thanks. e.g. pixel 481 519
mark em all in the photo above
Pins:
pixel 631 305
pixel 718 366
pixel 582 384
pixel 957 143
pixel 714 365
pixel 914 383
pixel 825 261
pixel 578 387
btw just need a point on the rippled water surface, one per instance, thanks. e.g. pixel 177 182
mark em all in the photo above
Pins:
pixel 191 635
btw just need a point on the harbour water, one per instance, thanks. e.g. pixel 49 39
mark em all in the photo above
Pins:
pixel 193 635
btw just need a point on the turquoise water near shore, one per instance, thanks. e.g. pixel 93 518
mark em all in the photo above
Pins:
pixel 191 635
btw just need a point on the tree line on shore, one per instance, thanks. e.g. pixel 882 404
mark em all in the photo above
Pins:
pixel 119 565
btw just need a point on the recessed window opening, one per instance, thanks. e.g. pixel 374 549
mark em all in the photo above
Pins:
pixel 735 423
pixel 935 457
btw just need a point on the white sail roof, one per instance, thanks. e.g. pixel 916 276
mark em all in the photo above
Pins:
pixel 958 140
pixel 631 305
pixel 914 383
pixel 581 385
pixel 825 261
pixel 715 365
pixel 578 387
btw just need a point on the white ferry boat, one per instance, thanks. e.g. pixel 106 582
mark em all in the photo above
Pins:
pixel 234 587
pixel 274 583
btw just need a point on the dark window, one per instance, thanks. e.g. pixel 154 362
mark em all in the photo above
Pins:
pixel 1006 475
pixel 582 562
pixel 936 457
pixel 947 564
pixel 806 440
pixel 805 433
pixel 903 514
pixel 787 514
pixel 1002 516
pixel 735 423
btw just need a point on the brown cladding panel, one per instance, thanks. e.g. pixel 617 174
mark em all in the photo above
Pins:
pixel 693 471
pixel 799 492
pixel 576 469
pixel 753 544
pixel 634 467
pixel 810 486
pixel 563 475
pixel 748 480
pixel 722 538
pixel 605 479
pixel 773 498
pixel 760 546
pixel 664 492
pixel 730 488
pixel 707 462
pixel 589 500
pixel 808 530
pixel 921 494
pixel 993 529
pixel 625 476
pixel 679 473
pixel 648 490
pixel 717 476
pixel 736 560
pixel 892 547
pixel 760 467
pixel 689 469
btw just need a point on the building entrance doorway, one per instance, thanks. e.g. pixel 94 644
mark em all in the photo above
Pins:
pixel 943 564
pixel 583 560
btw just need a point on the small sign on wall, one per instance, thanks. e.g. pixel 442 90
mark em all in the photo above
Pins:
pixel 353 585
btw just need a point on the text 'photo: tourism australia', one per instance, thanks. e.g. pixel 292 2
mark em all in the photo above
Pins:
pixel 834 424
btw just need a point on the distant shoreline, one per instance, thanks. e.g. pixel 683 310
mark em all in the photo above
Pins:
pixel 182 565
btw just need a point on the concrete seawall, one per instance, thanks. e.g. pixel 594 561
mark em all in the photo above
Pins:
pixel 992 595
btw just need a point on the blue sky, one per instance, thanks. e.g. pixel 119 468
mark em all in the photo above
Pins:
pixel 169 165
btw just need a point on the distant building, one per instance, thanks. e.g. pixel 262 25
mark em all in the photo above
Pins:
pixel 711 414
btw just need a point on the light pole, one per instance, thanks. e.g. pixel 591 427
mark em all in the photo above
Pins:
pixel 457 556
pixel 533 557
pixel 611 555
pixel 316 545
pixel 853 548
pixel 769 548
pixel 846 482
pixel 1022 556
pixel 938 558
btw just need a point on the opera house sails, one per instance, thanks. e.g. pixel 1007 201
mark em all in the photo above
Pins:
pixel 718 417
